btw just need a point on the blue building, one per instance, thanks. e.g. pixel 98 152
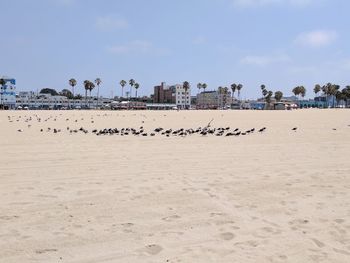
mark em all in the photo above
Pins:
pixel 257 105
pixel 8 93
pixel 319 102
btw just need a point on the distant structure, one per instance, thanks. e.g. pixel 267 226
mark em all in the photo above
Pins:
pixel 164 94
pixel 174 94
pixel 216 99
pixel 8 93
pixel 30 100
pixel 183 97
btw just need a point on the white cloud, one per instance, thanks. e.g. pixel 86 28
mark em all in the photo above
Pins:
pixel 260 3
pixel 265 60
pixel 318 38
pixel 110 23
pixel 137 47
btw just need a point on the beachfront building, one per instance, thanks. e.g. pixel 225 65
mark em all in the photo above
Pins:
pixel 128 105
pixel 312 103
pixel 164 94
pixel 183 97
pixel 8 93
pixel 173 94
pixel 214 99
pixel 30 100
pixel 160 106
pixel 257 105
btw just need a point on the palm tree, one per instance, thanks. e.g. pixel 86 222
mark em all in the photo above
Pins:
pixel 137 85
pixel 346 92
pixel 263 90
pixel 72 83
pixel 335 89
pixel 122 84
pixel 278 96
pixel 225 96
pixel 302 91
pixel 221 92
pixel 233 88
pixel 330 90
pixel 268 97
pixel 317 89
pixel 2 84
pixel 91 87
pixel 98 82
pixel 299 90
pixel 186 85
pixel 131 83
pixel 86 87
pixel 204 86
pixel 296 91
pixel 339 96
pixel 199 86
pixel 239 87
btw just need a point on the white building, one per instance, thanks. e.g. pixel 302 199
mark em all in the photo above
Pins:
pixel 183 98
pixel 214 99
pixel 47 101
pixel 8 93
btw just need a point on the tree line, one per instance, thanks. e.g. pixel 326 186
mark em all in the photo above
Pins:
pixel 329 90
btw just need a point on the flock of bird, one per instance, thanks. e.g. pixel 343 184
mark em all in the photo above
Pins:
pixel 182 132
pixel 205 131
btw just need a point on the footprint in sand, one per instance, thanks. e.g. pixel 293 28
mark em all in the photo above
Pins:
pixel 318 243
pixel 227 236
pixel 42 251
pixel 171 218
pixel 339 221
pixel 153 249
pixel 340 251
pixel 127 224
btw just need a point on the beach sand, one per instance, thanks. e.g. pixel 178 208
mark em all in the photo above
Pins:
pixel 279 196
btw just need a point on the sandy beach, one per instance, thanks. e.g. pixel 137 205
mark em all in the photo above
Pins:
pixel 276 196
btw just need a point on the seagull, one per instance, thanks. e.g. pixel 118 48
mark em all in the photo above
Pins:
pixel 262 129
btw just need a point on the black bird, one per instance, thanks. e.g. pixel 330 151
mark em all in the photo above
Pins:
pixel 295 128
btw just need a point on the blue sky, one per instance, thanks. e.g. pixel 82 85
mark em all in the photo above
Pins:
pixel 279 43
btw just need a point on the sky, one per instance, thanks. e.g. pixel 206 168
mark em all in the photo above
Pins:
pixel 278 43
